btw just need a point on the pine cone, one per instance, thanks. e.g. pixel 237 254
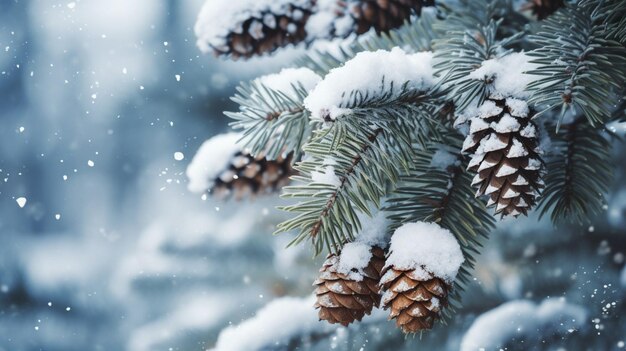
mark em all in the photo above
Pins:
pixel 343 300
pixel 248 175
pixel 415 299
pixel 543 8
pixel 504 143
pixel 384 15
pixel 266 33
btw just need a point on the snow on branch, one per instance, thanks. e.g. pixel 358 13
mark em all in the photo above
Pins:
pixel 506 76
pixel 426 248
pixel 370 75
pixel 288 79
pixel 517 319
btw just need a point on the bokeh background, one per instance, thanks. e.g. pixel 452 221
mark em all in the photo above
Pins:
pixel 110 250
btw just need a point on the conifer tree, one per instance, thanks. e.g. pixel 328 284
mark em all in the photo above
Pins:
pixel 429 115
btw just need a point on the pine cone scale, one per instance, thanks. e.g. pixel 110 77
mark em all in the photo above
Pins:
pixel 343 299
pixel 414 299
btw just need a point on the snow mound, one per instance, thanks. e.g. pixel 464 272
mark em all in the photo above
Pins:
pixel 274 324
pixel 288 78
pixel 426 248
pixel 213 156
pixel 365 73
pixel 355 256
pixel 492 329
pixel 508 73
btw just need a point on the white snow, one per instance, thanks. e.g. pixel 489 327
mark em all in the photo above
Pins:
pixel 529 131
pixel 274 324
pixel 288 78
pixel 218 18
pixel 427 248
pixel 21 202
pixel 365 73
pixel 326 176
pixel 491 143
pixel 505 170
pixel 506 124
pixel 492 329
pixel 328 20
pixel 179 156
pixel 373 229
pixel 517 107
pixel 443 159
pixel 517 150
pixel 477 124
pixel 211 159
pixel 489 109
pixel 354 257
pixel 508 74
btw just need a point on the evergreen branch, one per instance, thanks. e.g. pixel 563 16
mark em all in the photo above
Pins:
pixel 577 65
pixel 462 52
pixel 415 36
pixel 444 196
pixel 579 174
pixel 475 14
pixel 363 157
pixel 612 13
pixel 274 122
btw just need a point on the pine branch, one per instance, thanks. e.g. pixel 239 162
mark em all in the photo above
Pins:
pixel 444 196
pixel 579 174
pixel 274 122
pixel 578 65
pixel 462 52
pixel 364 158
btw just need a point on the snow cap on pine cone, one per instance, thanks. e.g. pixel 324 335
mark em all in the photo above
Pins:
pixel 427 249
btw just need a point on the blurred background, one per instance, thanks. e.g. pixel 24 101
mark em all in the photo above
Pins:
pixel 103 248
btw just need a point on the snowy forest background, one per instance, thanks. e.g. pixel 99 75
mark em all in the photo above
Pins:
pixel 98 99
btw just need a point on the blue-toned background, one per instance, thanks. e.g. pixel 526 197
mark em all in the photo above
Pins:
pixel 110 250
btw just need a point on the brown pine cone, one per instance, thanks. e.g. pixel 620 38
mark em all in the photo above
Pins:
pixel 504 144
pixel 247 175
pixel 415 299
pixel 266 32
pixel 343 300
pixel 384 15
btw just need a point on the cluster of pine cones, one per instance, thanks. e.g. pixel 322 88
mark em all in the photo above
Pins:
pixel 268 32
pixel 415 301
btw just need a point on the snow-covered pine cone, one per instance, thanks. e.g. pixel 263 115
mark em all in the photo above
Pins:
pixel 383 15
pixel 267 31
pixel 504 144
pixel 247 175
pixel 415 298
pixel 343 299
pixel 423 262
